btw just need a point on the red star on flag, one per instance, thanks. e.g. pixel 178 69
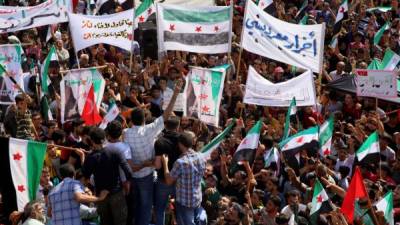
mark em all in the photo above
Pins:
pixel 198 29
pixel 141 19
pixel 285 146
pixel 341 10
pixel 262 4
pixel 205 109
pixel 149 11
pixel 203 82
pixel 9 58
pixel 300 140
pixel 17 156
pixel 85 95
pixel 216 28
pixel 21 188
pixel 327 152
pixel 244 141
pixel 115 111
pixel 171 27
pixel 319 198
pixel 203 96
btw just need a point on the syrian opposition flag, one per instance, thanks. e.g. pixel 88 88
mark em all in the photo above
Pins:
pixel 390 60
pixel 303 10
pixel 304 20
pixel 320 202
pixel 248 146
pixel 355 191
pixel 197 29
pixel 45 109
pixel 210 147
pixel 380 8
pixel 341 15
pixel 385 205
pixel 325 137
pixel 379 34
pixel 110 116
pixel 90 113
pixel 143 12
pixel 264 3
pixel 290 146
pixel 45 79
pixel 291 112
pixel 26 163
pixel 369 150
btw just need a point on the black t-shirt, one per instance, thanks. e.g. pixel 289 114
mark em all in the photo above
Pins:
pixel 167 144
pixel 104 165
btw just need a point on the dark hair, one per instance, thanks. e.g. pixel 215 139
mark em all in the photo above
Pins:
pixel 57 135
pixel 172 123
pixel 137 116
pixel 186 139
pixel 276 200
pixel 114 129
pixel 97 135
pixel 19 98
pixel 163 78
pixel 267 141
pixel 239 210
pixel 67 170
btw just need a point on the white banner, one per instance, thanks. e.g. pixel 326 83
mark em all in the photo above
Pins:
pixel 21 18
pixel 376 83
pixel 297 45
pixel 115 29
pixel 183 2
pixel 10 59
pixel 203 94
pixel 167 95
pixel 260 91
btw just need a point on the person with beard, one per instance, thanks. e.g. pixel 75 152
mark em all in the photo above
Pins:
pixel 33 214
pixel 65 198
pixel 270 211
pixel 166 144
pixel 234 215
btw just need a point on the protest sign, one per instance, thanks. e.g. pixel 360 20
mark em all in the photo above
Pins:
pixel 376 83
pixel 167 98
pixel 21 18
pixel 260 91
pixel 115 29
pixel 298 45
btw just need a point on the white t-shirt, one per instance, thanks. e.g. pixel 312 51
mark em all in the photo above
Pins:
pixel 288 211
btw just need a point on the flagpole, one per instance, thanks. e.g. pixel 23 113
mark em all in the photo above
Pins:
pixel 241 48
pixel 95 67
pixel 133 31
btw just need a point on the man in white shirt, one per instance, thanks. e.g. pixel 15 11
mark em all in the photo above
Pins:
pixel 141 138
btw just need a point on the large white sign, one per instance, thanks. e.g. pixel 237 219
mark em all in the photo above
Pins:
pixel 260 91
pixel 21 18
pixel 167 95
pixel 297 45
pixel 376 83
pixel 115 29
pixel 183 2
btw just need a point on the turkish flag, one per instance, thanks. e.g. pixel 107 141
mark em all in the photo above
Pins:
pixel 355 191
pixel 90 113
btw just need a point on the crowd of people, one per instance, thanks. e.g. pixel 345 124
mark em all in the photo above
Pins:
pixel 145 167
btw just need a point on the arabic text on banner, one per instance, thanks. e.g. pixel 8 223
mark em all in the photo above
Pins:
pixel 115 29
pixel 293 44
pixel 21 18
pixel 376 83
pixel 260 91
pixel 167 95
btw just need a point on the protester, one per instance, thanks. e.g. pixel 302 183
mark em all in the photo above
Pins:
pixel 154 164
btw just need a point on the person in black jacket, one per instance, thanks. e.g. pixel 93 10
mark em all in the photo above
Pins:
pixel 167 144
pixel 104 165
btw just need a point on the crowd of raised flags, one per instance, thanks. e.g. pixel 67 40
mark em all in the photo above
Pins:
pixel 203 30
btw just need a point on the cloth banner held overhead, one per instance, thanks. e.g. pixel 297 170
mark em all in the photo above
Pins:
pixel 75 87
pixel 376 83
pixel 21 18
pixel 115 29
pixel 195 29
pixel 203 94
pixel 183 2
pixel 297 45
pixel 260 91
pixel 10 60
